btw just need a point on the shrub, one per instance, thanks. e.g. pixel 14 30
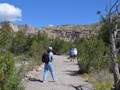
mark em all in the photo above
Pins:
pixel 104 33
pixel 92 54
pixel 7 72
pixel 101 80
pixel 61 46
pixel 6 37
pixel 19 43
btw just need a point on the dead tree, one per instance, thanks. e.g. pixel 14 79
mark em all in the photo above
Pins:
pixel 113 16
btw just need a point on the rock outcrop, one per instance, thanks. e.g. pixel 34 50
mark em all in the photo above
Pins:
pixel 71 32
pixel 66 32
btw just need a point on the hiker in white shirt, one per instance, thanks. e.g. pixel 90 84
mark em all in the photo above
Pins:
pixel 75 53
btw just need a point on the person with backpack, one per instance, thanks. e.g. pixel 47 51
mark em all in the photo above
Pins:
pixel 47 59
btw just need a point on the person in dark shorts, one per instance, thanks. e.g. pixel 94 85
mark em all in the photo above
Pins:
pixel 71 55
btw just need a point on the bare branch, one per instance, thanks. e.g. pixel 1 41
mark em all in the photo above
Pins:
pixel 113 6
pixel 108 5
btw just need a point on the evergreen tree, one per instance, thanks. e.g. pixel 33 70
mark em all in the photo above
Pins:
pixel 7 72
pixel 6 36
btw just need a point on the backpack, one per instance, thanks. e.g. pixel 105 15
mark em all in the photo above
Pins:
pixel 45 57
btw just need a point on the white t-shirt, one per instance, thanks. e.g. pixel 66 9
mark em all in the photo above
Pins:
pixel 75 52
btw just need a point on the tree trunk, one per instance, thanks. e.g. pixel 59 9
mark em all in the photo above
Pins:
pixel 114 61
pixel 114 55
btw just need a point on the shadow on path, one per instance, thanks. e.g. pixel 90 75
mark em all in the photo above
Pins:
pixel 35 80
pixel 70 62
pixel 72 73
pixel 80 87
pixel 66 61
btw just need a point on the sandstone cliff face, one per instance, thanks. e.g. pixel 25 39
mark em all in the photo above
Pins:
pixel 66 32
pixel 28 29
pixel 71 32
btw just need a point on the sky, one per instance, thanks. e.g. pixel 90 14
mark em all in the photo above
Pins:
pixel 41 13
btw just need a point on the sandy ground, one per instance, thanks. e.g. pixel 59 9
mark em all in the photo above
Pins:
pixel 66 74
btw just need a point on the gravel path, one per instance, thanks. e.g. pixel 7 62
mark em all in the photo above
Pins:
pixel 66 74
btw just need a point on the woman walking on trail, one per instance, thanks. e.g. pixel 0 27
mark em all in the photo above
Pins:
pixel 48 66
pixel 75 53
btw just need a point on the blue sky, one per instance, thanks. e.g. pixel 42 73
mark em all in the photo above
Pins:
pixel 42 13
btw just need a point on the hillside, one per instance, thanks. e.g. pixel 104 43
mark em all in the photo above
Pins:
pixel 66 32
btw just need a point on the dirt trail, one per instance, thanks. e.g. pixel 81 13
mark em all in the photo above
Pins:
pixel 66 74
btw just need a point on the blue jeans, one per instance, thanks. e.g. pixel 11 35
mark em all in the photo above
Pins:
pixel 50 68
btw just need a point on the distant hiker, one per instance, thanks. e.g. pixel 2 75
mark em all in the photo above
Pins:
pixel 71 55
pixel 75 53
pixel 48 65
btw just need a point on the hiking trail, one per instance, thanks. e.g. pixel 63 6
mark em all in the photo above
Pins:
pixel 66 74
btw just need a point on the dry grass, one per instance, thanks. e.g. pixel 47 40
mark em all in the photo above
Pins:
pixel 102 80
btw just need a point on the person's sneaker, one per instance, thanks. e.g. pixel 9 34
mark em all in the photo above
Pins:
pixel 55 80
pixel 44 81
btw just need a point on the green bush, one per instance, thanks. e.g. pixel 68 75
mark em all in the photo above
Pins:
pixel 8 79
pixel 61 46
pixel 36 49
pixel 92 54
pixel 6 37
pixel 104 33
pixel 19 43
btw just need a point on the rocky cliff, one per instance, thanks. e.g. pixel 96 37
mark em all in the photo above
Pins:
pixel 67 32
pixel 71 32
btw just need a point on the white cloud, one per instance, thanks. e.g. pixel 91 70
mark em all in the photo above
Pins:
pixel 9 12
pixel 51 25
